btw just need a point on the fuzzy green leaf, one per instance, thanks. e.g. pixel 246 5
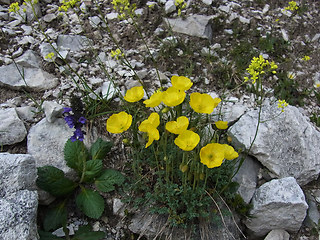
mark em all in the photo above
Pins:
pixel 56 217
pixel 100 149
pixel 75 154
pixel 108 179
pixel 86 233
pixel 52 180
pixel 93 169
pixel 90 203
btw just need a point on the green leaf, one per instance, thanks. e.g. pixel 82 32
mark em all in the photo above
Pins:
pixel 90 203
pixel 108 179
pixel 75 154
pixel 56 217
pixel 93 169
pixel 47 236
pixel 86 233
pixel 52 180
pixel 100 149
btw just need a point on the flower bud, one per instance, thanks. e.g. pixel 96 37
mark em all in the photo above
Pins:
pixel 165 110
pixel 125 141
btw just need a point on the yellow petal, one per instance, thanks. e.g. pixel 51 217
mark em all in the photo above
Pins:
pixel 179 126
pixel 181 83
pixel 134 94
pixel 118 123
pixel 212 155
pixel 221 124
pixel 229 152
pixel 187 140
pixel 203 103
pixel 154 100
pixel 173 97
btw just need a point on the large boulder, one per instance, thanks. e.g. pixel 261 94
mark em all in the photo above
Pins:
pixel 287 144
pixel 18 198
pixel 278 204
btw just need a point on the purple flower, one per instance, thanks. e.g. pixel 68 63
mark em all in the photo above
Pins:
pixel 70 121
pixel 67 109
pixel 77 135
pixel 82 120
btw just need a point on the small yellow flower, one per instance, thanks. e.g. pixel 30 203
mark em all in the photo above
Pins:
pixel 203 103
pixel 150 127
pixel 116 54
pixel 14 7
pixel 118 123
pixel 154 100
pixel 212 155
pixel 282 104
pixel 173 97
pixel 317 84
pixel 179 126
pixel 305 58
pixel 134 94
pixel 49 56
pixel 229 152
pixel 181 83
pixel 187 140
pixel 292 6
pixel 221 124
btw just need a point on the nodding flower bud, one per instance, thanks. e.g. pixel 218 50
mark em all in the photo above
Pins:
pixel 165 110
pixel 125 141
pixel 229 139
pixel 184 168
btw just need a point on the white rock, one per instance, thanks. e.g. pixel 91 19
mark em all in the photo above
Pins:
pixel 287 144
pixel 107 90
pixel 49 17
pixel 195 25
pixel 247 178
pixel 72 42
pixel 244 20
pixel 52 110
pixel 18 200
pixel 265 9
pixel 111 16
pixel 278 204
pixel 26 113
pixel 46 143
pixel 169 7
pixel 12 129
pixel 278 234
pixel 225 9
pixel 316 37
pixel 284 35
pixel 118 207
pixel 94 21
pixel 208 2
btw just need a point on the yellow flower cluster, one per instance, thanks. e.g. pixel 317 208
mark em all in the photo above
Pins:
pixel 123 7
pixel 14 7
pixel 49 56
pixel 305 58
pixel 66 4
pixel 282 104
pixel 292 6
pixel 257 68
pixel 116 54
pixel 180 4
pixel 211 155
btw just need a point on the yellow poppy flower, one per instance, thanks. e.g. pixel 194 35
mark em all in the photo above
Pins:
pixel 173 97
pixel 134 94
pixel 212 155
pixel 187 140
pixel 229 152
pixel 221 124
pixel 118 123
pixel 180 82
pixel 203 102
pixel 150 127
pixel 179 126
pixel 154 100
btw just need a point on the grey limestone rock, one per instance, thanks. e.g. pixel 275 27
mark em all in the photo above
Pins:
pixel 194 25
pixel 288 144
pixel 18 198
pixel 12 129
pixel 279 203
pixel 46 143
pixel 72 42
pixel 278 234
pixel 52 110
